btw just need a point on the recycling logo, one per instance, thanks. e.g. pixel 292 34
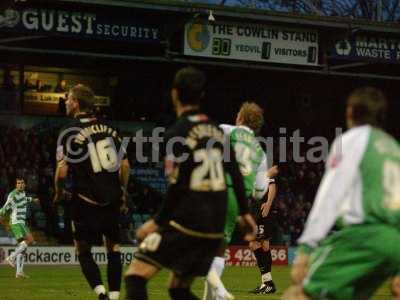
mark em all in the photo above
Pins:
pixel 343 48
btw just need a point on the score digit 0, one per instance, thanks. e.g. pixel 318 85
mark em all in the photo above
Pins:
pixel 221 47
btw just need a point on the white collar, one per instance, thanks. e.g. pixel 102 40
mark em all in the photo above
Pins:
pixel 245 127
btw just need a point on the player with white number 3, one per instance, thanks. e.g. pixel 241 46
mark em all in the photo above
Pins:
pixel 253 167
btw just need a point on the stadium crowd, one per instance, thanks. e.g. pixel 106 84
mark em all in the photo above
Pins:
pixel 29 153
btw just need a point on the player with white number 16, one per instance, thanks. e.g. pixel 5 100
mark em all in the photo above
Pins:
pixel 90 150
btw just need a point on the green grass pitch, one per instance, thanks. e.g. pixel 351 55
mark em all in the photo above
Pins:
pixel 67 283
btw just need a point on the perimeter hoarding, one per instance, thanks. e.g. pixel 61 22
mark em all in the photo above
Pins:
pixel 234 255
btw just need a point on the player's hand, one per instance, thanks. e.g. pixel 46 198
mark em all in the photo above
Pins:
pixel 60 196
pixel 149 227
pixel 273 171
pixel 57 198
pixel 67 196
pixel 5 223
pixel 124 209
pixel 265 207
pixel 396 288
pixel 248 227
pixel 300 268
pixel 124 206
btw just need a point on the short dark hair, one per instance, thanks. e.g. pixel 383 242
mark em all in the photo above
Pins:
pixel 84 95
pixel 190 83
pixel 19 179
pixel 369 106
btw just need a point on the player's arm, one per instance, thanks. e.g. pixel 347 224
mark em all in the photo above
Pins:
pixel 261 182
pixel 168 204
pixel 61 171
pixel 2 211
pixel 124 171
pixel 32 199
pixel 7 206
pixel 341 171
pixel 272 190
pixel 395 287
pixel 3 219
pixel 59 180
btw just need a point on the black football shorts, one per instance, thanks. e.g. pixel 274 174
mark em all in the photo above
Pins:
pixel 185 255
pixel 91 222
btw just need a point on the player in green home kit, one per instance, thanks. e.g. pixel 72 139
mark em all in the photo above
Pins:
pixel 360 192
pixel 16 205
pixel 253 166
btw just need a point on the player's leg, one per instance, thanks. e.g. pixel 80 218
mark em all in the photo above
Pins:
pixel 19 265
pixel 24 238
pixel 86 225
pixel 136 277
pixel 179 288
pixel 112 239
pixel 89 268
pixel 264 262
pixel 213 286
pixel 83 247
pixel 255 247
pixel 261 250
pixel 266 277
pixel 114 268
pixel 151 256
pixel 21 257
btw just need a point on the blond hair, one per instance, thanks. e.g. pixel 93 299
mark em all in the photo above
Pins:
pixel 251 115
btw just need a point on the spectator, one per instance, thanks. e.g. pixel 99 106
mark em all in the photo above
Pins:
pixel 61 106
pixel 61 87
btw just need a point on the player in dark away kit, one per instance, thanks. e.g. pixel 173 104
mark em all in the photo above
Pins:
pixel 188 230
pixel 90 150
